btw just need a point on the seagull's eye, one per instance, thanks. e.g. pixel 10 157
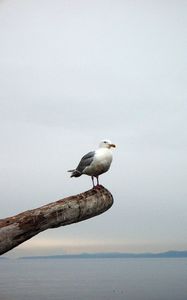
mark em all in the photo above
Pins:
pixel 105 142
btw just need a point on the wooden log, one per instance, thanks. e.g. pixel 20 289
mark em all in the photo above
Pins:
pixel 19 228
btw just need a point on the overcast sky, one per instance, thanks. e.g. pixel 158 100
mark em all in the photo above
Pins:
pixel 75 72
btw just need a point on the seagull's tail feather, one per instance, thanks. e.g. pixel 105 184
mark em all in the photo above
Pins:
pixel 75 173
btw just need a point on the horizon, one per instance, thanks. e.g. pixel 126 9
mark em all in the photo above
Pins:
pixel 42 249
pixel 163 254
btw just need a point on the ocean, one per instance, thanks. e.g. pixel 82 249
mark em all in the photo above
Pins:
pixel 91 279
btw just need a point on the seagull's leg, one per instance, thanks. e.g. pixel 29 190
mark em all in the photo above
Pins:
pixel 93 181
pixel 97 180
pixel 98 185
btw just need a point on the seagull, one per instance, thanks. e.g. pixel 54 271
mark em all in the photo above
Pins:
pixel 95 162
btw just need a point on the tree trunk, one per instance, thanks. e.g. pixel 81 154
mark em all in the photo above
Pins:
pixel 17 229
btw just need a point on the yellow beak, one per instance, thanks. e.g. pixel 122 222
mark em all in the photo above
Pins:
pixel 112 145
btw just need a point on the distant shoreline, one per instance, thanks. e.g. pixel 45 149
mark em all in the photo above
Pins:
pixel 168 254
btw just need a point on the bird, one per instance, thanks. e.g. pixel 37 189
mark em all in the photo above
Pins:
pixel 95 163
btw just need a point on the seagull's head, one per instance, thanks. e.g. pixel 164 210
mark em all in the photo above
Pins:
pixel 106 144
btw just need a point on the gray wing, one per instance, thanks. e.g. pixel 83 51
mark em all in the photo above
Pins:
pixel 86 160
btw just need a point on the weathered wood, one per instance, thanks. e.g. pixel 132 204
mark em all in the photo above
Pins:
pixel 17 229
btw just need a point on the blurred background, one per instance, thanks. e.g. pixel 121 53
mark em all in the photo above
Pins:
pixel 73 73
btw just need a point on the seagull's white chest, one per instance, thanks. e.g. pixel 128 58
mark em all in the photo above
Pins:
pixel 101 162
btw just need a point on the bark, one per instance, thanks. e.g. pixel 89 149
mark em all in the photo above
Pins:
pixel 17 229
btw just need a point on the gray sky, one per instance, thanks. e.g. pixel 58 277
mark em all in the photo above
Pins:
pixel 73 73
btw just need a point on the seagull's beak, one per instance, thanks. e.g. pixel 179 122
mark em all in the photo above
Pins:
pixel 112 146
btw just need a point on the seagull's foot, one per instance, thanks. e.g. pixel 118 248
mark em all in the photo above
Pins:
pixel 97 187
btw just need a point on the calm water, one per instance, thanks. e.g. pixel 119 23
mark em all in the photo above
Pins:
pixel 91 279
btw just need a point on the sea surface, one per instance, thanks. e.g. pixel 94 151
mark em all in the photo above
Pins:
pixel 91 279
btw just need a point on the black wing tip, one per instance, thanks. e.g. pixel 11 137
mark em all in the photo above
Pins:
pixel 75 173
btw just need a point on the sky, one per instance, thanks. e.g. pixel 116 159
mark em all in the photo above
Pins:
pixel 73 73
